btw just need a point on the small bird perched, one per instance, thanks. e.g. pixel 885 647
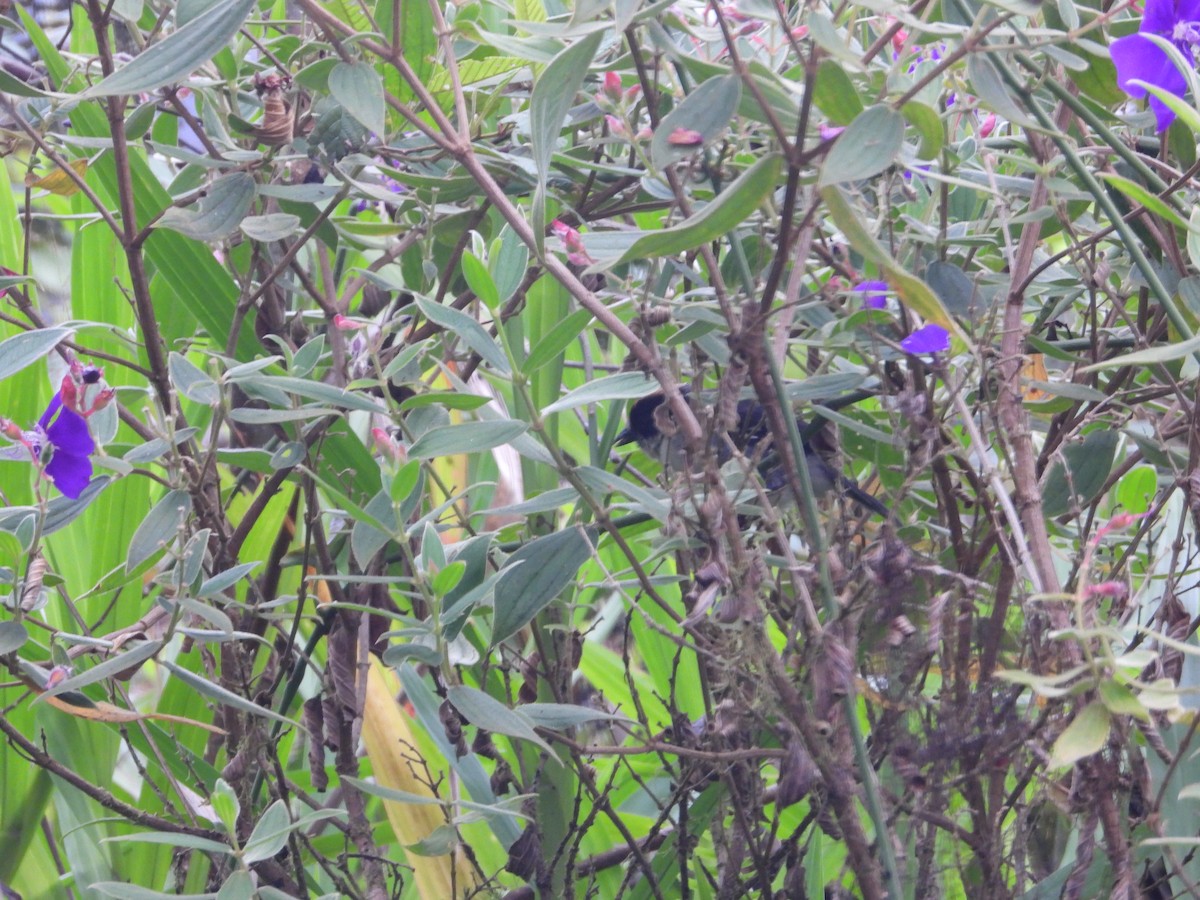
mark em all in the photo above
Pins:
pixel 652 426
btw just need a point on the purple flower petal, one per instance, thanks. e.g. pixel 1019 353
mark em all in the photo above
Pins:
pixel 68 431
pixel 874 294
pixel 930 339
pixel 69 472
pixel 1136 57
pixel 69 468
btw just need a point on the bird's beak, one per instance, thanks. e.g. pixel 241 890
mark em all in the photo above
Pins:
pixel 625 437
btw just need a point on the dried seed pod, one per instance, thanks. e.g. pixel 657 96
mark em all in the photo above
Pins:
pixel 314 722
pixel 32 591
pixel 278 124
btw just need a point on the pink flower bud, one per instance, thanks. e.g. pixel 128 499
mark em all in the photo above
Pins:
pixel 69 393
pixel 988 125
pixel 389 448
pixel 685 137
pixel 12 430
pixel 102 400
pixel 616 127
pixel 342 323
pixel 1115 589
pixel 612 86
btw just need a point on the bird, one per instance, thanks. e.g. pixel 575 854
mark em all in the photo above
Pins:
pixel 651 425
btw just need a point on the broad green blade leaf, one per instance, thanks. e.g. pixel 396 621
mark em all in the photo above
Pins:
pixel 929 125
pixel 12 636
pixel 159 528
pixel 270 833
pixel 487 712
pixel 191 381
pixel 731 207
pixel 179 54
pixel 469 437
pixel 835 95
pixel 1087 468
pixel 358 87
pixel 625 386
pixel 218 694
pixel 218 213
pixel 987 84
pixel 534 576
pixel 470 331
pixel 706 112
pixel 1086 735
pixel 189 841
pixel 124 891
pixel 122 662
pixel 273 227
pixel 553 95
pixel 25 348
pixel 560 716
pixel 870 144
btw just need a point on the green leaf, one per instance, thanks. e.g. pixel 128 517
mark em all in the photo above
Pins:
pixel 470 331
pixel 469 437
pixel 1085 735
pixel 561 716
pixel 125 891
pixel 114 665
pixel 270 833
pixel 868 146
pixel 623 386
pixel 553 95
pixel 159 528
pixel 273 227
pixel 1119 700
pixel 707 110
pixel 555 341
pixel 28 347
pixel 534 575
pixel 218 213
pixel 929 126
pixel 954 288
pixel 238 886
pixel 730 208
pixel 12 636
pixel 835 95
pixel 218 583
pixel 484 711
pixel 175 839
pixel 359 89
pixel 1137 488
pixel 1088 465
pixel 191 381
pixel 479 280
pixel 987 84
pixel 218 694
pixel 387 793
pixel 1158 354
pixel 508 263
pixel 179 54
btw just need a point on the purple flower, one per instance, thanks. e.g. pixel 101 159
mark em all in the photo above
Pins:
pixel 1139 58
pixel 63 430
pixel 874 294
pixel 929 339
pixel 70 467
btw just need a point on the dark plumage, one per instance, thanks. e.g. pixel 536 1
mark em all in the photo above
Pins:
pixel 652 426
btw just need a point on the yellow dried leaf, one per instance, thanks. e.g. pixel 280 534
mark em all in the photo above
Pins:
pixel 59 181
pixel 107 712
pixel 389 742
pixel 1034 369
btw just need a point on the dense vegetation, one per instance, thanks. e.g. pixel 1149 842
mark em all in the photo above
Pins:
pixel 327 570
